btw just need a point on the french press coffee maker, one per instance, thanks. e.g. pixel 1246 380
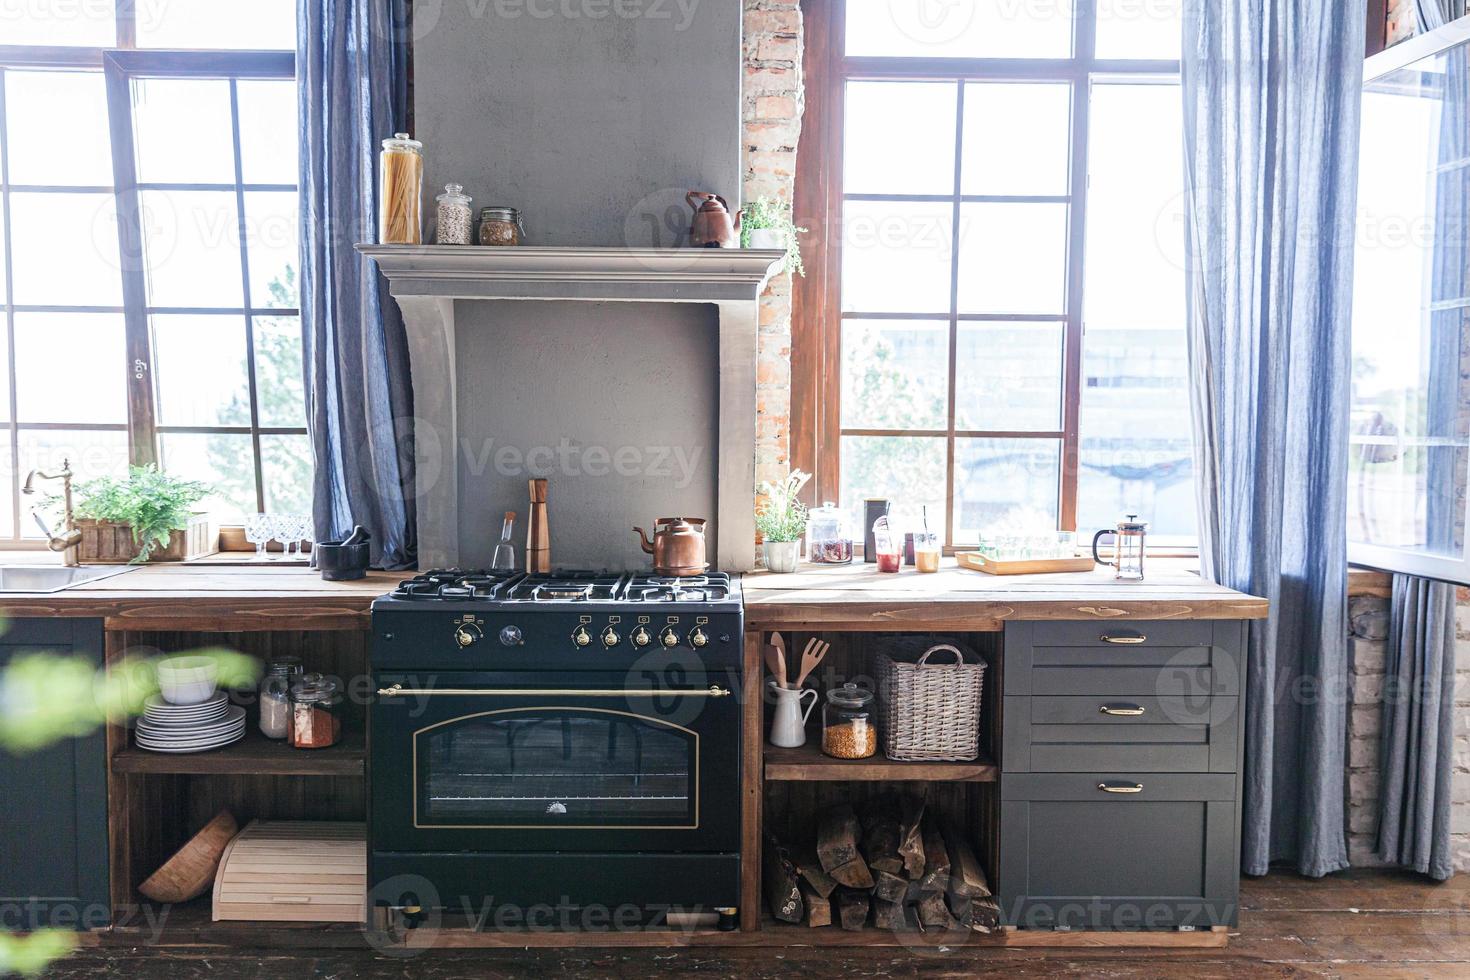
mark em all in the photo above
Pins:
pixel 1127 560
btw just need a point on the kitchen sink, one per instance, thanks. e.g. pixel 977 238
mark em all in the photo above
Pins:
pixel 53 578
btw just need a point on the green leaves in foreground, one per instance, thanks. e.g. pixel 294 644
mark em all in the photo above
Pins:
pixel 29 955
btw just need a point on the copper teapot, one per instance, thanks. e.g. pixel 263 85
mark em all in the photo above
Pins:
pixel 712 226
pixel 677 546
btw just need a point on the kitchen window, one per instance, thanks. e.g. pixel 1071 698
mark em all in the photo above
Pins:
pixel 148 253
pixel 997 335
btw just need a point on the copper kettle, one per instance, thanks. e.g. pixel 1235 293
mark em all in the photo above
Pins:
pixel 712 226
pixel 677 546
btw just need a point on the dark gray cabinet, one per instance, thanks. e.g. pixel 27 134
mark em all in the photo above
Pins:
pixel 1120 774
pixel 54 822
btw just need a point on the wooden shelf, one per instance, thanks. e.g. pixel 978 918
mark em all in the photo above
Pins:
pixel 808 763
pixel 255 755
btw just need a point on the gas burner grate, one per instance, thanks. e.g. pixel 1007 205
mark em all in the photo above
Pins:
pixel 453 583
pixel 692 588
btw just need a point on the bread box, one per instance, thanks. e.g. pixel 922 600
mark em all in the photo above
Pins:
pixel 294 871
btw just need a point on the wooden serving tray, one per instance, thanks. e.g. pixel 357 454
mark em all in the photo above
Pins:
pixel 1030 566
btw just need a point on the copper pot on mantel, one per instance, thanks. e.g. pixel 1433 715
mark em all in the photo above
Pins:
pixel 678 546
pixel 712 226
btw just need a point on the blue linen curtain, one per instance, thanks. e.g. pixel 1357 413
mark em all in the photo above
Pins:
pixel 352 84
pixel 1271 105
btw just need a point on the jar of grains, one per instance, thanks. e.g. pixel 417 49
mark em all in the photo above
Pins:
pixel 400 191
pixel 501 226
pixel 275 696
pixel 456 217
pixel 849 730
pixel 316 712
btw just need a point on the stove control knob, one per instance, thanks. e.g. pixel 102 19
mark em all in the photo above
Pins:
pixel 581 637
pixel 467 635
pixel 510 636
pixel 668 637
pixel 610 638
pixel 698 637
pixel 641 637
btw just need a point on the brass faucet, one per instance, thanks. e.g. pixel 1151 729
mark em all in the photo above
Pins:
pixel 70 537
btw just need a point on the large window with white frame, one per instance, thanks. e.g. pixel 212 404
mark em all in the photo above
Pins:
pixel 1004 315
pixel 148 249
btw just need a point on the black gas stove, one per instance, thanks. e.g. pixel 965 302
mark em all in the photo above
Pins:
pixel 568 738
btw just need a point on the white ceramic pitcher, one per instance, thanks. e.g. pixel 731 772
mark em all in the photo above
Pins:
pixel 788 721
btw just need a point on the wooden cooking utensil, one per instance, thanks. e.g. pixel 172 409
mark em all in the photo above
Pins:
pixel 810 657
pixel 776 659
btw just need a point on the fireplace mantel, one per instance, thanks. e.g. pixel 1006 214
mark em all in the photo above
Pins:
pixel 426 280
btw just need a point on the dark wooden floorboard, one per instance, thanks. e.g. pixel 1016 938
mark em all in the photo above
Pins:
pixel 1354 925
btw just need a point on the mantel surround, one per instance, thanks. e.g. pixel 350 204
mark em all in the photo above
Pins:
pixel 426 280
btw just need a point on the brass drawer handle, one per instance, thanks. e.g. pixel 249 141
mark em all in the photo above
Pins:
pixel 1121 710
pixel 1130 640
pixel 1120 787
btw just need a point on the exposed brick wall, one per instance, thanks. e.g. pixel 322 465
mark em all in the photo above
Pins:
pixel 1368 622
pixel 772 122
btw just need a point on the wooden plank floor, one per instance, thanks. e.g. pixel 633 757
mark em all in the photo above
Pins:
pixel 1357 924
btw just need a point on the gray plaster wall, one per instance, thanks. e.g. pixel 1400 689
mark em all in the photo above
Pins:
pixel 591 116
pixel 616 404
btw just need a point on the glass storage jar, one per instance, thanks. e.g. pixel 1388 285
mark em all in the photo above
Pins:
pixel 501 226
pixel 849 729
pixel 316 712
pixel 456 218
pixel 275 696
pixel 828 540
pixel 400 191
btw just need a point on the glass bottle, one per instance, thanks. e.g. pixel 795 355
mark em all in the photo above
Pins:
pixel 828 541
pixel 275 696
pixel 316 712
pixel 456 218
pixel 400 191
pixel 849 730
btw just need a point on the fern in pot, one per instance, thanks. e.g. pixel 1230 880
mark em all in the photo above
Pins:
pixel 781 520
pixel 150 507
pixel 766 223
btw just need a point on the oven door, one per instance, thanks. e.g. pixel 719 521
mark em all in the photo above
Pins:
pixel 554 762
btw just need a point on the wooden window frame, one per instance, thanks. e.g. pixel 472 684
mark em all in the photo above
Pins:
pixel 816 430
pixel 118 66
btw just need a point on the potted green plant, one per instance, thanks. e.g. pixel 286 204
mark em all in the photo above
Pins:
pixel 781 520
pixel 766 223
pixel 146 516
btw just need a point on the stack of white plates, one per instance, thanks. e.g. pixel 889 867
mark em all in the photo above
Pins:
pixel 199 727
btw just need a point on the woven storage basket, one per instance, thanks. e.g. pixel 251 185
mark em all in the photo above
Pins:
pixel 928 710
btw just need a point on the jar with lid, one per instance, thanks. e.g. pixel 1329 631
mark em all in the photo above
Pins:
pixel 275 696
pixel 501 226
pixel 400 191
pixel 316 712
pixel 828 540
pixel 456 217
pixel 849 729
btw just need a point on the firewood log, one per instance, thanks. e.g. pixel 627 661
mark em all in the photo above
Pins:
pixel 911 838
pixel 852 908
pixel 881 828
pixel 837 848
pixel 936 858
pixel 980 914
pixel 778 876
pixel 966 877
pixel 818 907
pixel 932 911
pixel 889 915
pixel 810 869
pixel 889 887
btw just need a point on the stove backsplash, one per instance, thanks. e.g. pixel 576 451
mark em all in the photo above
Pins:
pixel 615 403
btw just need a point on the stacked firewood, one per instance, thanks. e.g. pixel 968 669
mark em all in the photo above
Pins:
pixel 887 862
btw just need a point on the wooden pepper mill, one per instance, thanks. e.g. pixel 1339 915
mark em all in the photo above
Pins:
pixel 538 534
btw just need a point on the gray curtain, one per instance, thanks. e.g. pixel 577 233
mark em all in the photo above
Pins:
pixel 1436 13
pixel 1271 108
pixel 352 72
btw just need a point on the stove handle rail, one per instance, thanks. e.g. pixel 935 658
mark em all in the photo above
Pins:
pixel 398 690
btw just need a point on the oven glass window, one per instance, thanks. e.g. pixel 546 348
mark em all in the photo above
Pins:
pixel 549 767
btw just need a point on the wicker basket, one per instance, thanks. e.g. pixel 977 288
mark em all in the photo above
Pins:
pixel 929 711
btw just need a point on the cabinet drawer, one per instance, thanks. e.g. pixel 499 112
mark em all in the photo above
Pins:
pixel 1073 856
pixel 1208 665
pixel 1146 734
pixel 1105 635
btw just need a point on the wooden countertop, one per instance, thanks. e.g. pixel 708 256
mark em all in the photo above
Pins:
pixel 858 597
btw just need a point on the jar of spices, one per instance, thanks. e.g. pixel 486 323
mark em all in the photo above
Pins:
pixel 828 541
pixel 316 712
pixel 849 730
pixel 456 217
pixel 400 191
pixel 501 226
pixel 275 696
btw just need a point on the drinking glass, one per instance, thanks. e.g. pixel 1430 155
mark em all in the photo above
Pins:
pixel 258 531
pixel 303 531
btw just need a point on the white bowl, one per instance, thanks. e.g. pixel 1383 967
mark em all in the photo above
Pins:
pixel 186 680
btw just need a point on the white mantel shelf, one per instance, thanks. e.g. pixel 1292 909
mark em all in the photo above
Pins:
pixel 427 281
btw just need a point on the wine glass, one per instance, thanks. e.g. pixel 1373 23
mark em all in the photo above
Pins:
pixel 258 531
pixel 304 535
